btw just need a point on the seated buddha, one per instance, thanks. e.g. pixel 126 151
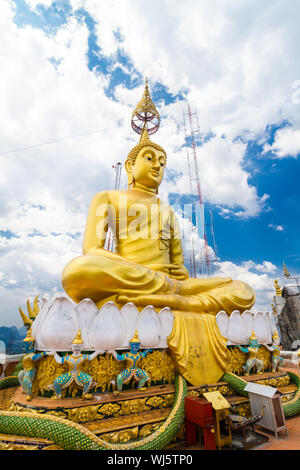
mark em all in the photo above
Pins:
pixel 147 267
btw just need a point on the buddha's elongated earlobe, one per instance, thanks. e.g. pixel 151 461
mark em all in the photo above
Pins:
pixel 130 177
pixel 131 180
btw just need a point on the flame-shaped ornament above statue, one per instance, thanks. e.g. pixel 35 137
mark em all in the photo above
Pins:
pixel 143 286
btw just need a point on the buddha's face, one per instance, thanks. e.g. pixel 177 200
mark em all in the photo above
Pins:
pixel 148 168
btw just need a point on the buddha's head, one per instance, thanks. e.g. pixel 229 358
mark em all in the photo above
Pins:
pixel 145 164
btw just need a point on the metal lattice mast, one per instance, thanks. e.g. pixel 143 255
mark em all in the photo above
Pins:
pixel 118 170
pixel 195 172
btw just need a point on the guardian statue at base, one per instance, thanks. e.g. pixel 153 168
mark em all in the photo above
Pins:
pixel 30 358
pixel 252 361
pixel 275 349
pixel 132 371
pixel 74 362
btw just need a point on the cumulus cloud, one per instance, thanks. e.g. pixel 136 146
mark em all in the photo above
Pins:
pixel 277 228
pixel 258 276
pixel 286 143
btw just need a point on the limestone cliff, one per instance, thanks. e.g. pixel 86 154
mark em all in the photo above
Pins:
pixel 289 320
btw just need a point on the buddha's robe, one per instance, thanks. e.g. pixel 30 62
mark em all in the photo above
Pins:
pixel 148 269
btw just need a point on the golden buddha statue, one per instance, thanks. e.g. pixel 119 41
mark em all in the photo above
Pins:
pixel 148 266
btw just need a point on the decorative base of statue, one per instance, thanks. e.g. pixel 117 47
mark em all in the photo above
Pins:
pixel 135 414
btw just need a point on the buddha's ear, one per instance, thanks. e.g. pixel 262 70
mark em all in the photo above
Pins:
pixel 128 166
pixel 129 169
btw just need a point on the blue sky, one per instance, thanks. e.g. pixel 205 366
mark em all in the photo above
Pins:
pixel 72 73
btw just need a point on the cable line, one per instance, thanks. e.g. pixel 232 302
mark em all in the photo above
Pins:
pixel 47 143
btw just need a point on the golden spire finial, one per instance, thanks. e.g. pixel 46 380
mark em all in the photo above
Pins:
pixel 253 335
pixel 145 139
pixel 32 313
pixel 277 288
pixel 78 339
pixel 145 114
pixel 26 321
pixel 285 271
pixel 275 335
pixel 136 338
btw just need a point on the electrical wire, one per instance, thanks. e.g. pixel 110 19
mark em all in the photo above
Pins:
pixel 47 143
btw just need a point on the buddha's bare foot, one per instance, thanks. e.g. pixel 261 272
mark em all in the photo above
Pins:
pixel 159 300
pixel 194 286
pixel 173 301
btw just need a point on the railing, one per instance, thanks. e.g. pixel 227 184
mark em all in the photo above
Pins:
pixel 8 364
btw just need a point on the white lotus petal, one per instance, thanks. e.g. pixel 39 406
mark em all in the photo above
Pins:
pixel 59 326
pixel 236 331
pixel 129 313
pixel 222 320
pixel 148 327
pixel 260 328
pixel 269 327
pixel 108 329
pixel 247 317
pixel 166 320
pixel 36 325
pixel 86 312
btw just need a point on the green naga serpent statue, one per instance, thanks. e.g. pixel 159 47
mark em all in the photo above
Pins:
pixel 72 436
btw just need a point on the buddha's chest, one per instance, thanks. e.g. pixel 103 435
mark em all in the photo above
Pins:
pixel 142 219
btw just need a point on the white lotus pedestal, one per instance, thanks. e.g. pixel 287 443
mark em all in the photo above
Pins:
pixel 105 329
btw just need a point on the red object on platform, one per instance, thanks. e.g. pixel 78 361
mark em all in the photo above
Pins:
pixel 199 412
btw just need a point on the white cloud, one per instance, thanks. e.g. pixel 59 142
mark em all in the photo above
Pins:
pixel 262 281
pixel 277 228
pixel 286 143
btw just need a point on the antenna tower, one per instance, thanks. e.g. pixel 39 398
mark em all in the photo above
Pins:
pixel 109 238
pixel 191 138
